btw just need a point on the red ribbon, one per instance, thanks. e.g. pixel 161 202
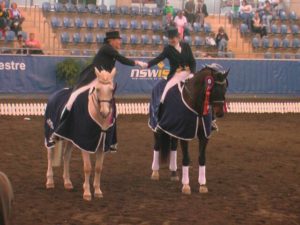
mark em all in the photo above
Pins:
pixel 209 84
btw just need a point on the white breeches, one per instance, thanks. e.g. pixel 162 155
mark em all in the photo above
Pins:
pixel 174 80
pixel 78 92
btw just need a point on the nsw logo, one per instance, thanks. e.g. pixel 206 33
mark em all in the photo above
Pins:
pixel 150 74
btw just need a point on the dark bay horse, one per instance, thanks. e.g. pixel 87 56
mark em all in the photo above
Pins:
pixel 187 113
pixel 6 199
pixel 88 126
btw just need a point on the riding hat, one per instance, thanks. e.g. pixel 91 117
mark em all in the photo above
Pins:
pixel 112 35
pixel 172 32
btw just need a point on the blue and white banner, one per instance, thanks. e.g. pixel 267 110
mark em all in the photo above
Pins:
pixel 36 74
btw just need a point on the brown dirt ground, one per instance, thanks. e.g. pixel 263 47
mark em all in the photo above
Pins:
pixel 253 177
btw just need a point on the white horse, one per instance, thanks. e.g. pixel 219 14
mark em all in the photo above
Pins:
pixel 100 110
pixel 6 199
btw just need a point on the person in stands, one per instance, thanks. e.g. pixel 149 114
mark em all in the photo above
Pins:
pixel 33 44
pixel 15 18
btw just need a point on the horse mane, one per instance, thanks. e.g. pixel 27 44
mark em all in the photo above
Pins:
pixel 6 198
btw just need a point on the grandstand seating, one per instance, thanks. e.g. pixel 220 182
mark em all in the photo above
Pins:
pixel 112 24
pixel 90 23
pixel 142 26
pixel 77 38
pixel 156 40
pixel 88 38
pixel 80 8
pixel 59 7
pixel 65 38
pixel 68 22
pixel 78 23
pixel 123 24
pixel 124 39
pixel 276 43
pixel 199 42
pixel 134 40
pixel 92 8
pixel 113 10
pixel 10 36
pixel 197 27
pixel 124 10
pixel 188 40
pixel 70 7
pixel 103 9
pixel 134 10
pixel 145 39
pixel 277 55
pixel 100 38
pixel 101 24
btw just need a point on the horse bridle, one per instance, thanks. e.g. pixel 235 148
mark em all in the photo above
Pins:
pixel 224 82
pixel 101 100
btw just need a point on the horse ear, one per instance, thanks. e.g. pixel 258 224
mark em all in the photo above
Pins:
pixel 97 72
pixel 113 73
pixel 226 73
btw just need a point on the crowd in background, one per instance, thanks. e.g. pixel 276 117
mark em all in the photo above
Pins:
pixel 10 18
pixel 260 20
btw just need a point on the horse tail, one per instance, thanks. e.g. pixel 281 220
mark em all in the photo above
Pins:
pixel 164 146
pixel 6 198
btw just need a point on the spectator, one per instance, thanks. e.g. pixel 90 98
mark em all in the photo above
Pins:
pixel 168 14
pixel 268 15
pixel 246 12
pixel 15 18
pixel 190 11
pixel 201 12
pixel 3 19
pixel 180 22
pixel 222 40
pixel 34 44
pixel 257 26
pixel 21 48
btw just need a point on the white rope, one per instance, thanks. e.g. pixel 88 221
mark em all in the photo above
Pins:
pixel 38 109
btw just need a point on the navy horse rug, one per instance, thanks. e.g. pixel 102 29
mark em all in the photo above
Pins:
pixel 78 126
pixel 174 116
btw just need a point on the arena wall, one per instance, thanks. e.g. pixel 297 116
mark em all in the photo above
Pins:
pixel 36 75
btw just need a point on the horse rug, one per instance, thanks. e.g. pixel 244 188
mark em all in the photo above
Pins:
pixel 78 126
pixel 174 116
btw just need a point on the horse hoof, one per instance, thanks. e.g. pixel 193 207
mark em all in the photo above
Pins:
pixel 49 185
pixel 203 189
pixel 186 189
pixel 174 176
pixel 98 195
pixel 155 175
pixel 68 186
pixel 87 197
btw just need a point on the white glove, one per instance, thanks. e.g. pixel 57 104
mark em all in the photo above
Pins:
pixel 143 65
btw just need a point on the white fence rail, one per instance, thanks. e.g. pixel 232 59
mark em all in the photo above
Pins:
pixel 38 109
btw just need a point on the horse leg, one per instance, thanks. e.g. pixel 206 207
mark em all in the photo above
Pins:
pixel 49 175
pixel 173 160
pixel 87 168
pixel 202 158
pixel 186 189
pixel 66 174
pixel 98 170
pixel 155 162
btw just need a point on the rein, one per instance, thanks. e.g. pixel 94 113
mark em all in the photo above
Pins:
pixel 100 100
